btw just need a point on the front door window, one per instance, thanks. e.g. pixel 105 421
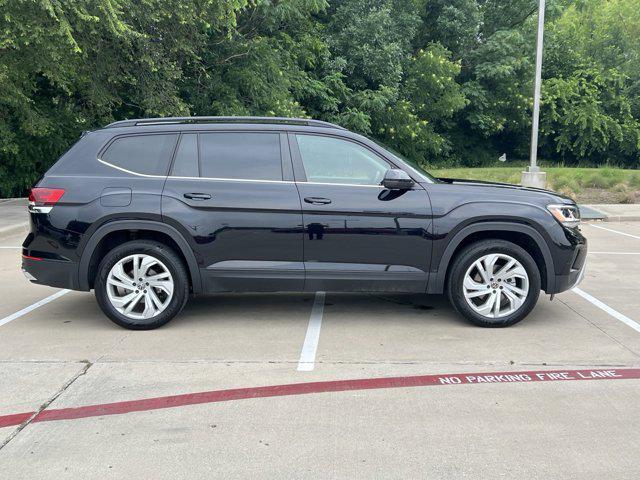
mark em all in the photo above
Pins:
pixel 332 160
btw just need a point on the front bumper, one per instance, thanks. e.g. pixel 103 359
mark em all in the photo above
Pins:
pixel 576 272
pixel 573 279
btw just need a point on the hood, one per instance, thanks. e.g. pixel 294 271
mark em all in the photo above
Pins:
pixel 506 187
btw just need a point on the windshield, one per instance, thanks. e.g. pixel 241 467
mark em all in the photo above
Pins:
pixel 413 166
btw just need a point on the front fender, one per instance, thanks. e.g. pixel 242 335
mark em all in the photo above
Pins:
pixel 438 277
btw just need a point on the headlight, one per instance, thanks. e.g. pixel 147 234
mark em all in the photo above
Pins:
pixel 567 215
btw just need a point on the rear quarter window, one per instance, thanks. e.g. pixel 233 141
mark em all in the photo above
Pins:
pixel 145 154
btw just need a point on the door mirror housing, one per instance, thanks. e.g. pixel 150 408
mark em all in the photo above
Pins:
pixel 396 179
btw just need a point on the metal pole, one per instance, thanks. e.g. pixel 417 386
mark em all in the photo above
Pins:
pixel 536 91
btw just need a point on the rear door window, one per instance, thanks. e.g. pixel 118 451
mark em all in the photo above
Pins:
pixel 186 162
pixel 240 155
pixel 145 154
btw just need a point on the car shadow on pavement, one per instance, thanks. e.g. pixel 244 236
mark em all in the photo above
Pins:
pixel 296 307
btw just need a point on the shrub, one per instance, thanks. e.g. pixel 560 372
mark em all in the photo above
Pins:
pixel 599 179
pixel 634 180
pixel 563 181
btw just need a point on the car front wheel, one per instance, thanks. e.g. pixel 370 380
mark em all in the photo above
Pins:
pixel 141 285
pixel 494 283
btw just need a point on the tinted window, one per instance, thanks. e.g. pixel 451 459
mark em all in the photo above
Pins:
pixel 148 154
pixel 332 160
pixel 186 162
pixel 252 156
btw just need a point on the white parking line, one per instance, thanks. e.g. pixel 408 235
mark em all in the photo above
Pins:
pixel 10 247
pixel 606 308
pixel 614 253
pixel 32 307
pixel 307 360
pixel 614 231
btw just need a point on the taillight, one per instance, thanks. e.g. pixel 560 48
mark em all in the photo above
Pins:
pixel 45 196
pixel 42 200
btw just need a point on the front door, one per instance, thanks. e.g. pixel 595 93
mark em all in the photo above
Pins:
pixel 239 207
pixel 359 236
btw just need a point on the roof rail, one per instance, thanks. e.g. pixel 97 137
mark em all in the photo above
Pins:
pixel 137 122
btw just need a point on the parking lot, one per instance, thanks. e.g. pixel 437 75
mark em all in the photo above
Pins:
pixel 429 396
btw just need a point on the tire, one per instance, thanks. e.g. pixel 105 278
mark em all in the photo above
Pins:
pixel 507 287
pixel 155 306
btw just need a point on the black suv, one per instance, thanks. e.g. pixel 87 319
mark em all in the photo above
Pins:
pixel 147 212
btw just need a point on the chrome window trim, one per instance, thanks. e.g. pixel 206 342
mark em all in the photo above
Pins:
pixel 191 178
pixel 303 132
pixel 179 134
pixel 107 145
pixel 128 171
pixel 342 184
pixel 233 179
pixel 230 179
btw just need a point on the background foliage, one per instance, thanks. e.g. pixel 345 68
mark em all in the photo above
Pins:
pixel 446 82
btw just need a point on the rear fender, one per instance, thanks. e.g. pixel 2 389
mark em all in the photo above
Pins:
pixel 128 225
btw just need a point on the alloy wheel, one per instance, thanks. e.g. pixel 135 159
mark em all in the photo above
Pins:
pixel 496 285
pixel 139 286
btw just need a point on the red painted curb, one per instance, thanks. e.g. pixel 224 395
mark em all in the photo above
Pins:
pixel 118 408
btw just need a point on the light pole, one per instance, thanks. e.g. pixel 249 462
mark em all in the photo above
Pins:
pixel 533 177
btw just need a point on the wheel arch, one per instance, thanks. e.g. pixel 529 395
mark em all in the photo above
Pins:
pixel 523 235
pixel 162 230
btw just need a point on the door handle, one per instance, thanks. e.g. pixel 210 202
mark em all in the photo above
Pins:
pixel 317 200
pixel 197 196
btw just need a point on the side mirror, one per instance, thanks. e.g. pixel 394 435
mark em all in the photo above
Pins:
pixel 396 179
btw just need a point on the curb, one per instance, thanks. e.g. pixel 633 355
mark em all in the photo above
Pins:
pixel 11 230
pixel 611 213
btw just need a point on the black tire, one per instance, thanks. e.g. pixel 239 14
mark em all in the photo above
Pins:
pixel 161 252
pixel 472 253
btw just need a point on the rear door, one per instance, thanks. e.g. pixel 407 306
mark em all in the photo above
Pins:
pixel 232 194
pixel 359 236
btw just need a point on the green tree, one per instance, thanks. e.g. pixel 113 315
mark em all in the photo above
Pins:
pixel 400 95
pixel 455 24
pixel 71 65
pixel 591 107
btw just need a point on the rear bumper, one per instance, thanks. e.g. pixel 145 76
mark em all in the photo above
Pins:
pixel 54 273
pixel 49 252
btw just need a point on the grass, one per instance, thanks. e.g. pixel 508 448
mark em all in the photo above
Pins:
pixel 587 185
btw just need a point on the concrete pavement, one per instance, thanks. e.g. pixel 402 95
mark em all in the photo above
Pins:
pixel 13 217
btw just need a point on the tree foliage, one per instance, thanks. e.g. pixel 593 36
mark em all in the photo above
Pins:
pixel 444 82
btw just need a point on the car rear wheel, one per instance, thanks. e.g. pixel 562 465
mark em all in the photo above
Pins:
pixel 141 285
pixel 494 283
